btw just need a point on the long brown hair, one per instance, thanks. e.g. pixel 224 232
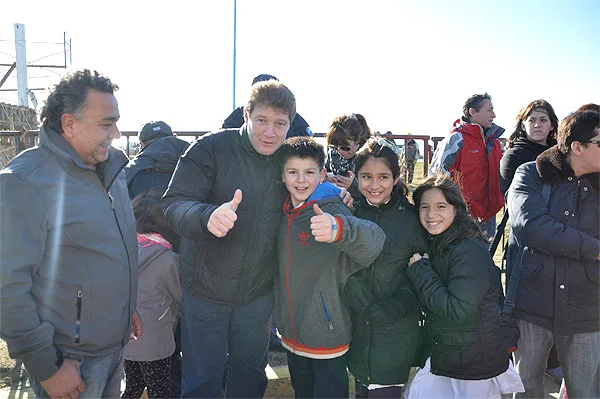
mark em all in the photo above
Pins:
pixel 345 128
pixel 463 226
pixel 377 147
pixel 537 105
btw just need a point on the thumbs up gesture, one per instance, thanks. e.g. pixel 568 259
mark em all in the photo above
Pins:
pixel 223 218
pixel 323 225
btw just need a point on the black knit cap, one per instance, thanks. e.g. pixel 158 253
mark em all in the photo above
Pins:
pixel 154 130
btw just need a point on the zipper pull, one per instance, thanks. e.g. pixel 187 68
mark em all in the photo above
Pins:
pixel 79 293
pixel 112 201
pixel 331 327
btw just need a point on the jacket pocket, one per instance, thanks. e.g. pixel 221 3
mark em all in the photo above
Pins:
pixel 532 263
pixel 529 270
pixel 326 314
pixel 78 305
pixel 593 272
pixel 460 349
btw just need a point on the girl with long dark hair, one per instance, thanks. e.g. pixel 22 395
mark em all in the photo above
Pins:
pixel 459 288
pixel 385 308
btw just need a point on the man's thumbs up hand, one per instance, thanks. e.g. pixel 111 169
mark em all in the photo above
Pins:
pixel 223 218
pixel 237 198
pixel 323 225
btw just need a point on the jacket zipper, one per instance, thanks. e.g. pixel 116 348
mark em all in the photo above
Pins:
pixel 112 206
pixel 326 313
pixel 78 320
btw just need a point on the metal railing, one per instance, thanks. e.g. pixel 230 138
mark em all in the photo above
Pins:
pixel 12 146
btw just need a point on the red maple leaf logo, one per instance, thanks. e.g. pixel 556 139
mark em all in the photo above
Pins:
pixel 303 238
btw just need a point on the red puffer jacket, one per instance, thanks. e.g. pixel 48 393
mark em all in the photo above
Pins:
pixel 475 169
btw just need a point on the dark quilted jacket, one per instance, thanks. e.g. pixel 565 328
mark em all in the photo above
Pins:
pixel 241 266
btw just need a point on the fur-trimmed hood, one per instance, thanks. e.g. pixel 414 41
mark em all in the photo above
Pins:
pixel 552 166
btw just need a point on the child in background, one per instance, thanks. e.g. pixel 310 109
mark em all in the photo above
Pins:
pixel 346 135
pixel 459 288
pixel 320 244
pixel 148 360
pixel 385 307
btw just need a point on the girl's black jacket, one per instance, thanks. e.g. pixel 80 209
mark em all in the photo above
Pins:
pixel 460 290
pixel 385 308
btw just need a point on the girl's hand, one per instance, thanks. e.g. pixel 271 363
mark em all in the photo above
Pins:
pixel 331 178
pixel 417 257
pixel 345 182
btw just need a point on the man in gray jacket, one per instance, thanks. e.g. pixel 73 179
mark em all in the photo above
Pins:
pixel 68 248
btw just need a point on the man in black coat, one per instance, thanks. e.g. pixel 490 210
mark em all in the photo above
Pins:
pixel 225 200
pixel 153 166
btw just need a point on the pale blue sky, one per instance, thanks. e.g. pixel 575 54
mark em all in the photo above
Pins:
pixel 405 65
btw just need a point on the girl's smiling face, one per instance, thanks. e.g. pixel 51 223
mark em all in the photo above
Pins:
pixel 376 181
pixel 435 213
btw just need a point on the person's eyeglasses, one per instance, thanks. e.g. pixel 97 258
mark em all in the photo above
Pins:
pixel 597 142
pixel 344 148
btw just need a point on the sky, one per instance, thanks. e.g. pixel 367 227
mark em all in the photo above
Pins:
pixel 407 66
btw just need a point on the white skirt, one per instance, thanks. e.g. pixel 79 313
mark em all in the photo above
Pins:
pixel 425 385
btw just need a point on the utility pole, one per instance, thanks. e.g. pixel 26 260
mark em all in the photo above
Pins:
pixel 234 45
pixel 21 65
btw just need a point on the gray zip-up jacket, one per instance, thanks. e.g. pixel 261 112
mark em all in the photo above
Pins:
pixel 68 256
pixel 312 315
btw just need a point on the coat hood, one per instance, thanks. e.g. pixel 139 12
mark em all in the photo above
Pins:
pixel 552 166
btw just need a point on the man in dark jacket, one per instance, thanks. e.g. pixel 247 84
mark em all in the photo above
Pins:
pixel 68 252
pixel 225 201
pixel 409 155
pixel 299 126
pixel 153 166
pixel 556 240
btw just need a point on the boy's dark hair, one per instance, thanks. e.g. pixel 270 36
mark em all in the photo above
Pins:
pixel 537 105
pixel 70 94
pixel 463 226
pixel 378 147
pixel 579 126
pixel 346 128
pixel 476 102
pixel 149 217
pixel 304 148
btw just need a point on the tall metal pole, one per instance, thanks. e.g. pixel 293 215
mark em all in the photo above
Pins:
pixel 234 46
pixel 21 65
pixel 65 47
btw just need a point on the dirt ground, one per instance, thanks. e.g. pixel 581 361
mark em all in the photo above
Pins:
pixel 11 373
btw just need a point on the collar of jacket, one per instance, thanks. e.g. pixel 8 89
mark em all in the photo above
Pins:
pixel 164 152
pixel 396 201
pixel 466 127
pixel 552 166
pixel 249 148
pixel 291 212
pixel 522 142
pixel 57 144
